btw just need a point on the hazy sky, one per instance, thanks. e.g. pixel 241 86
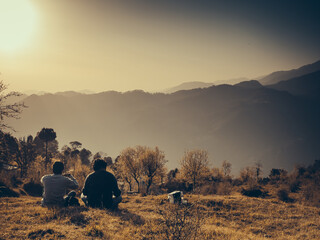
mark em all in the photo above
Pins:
pixel 120 45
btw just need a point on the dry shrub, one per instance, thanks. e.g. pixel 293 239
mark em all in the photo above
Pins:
pixel 224 188
pixel 37 170
pixel 180 221
pixel 33 189
pixel 7 192
pixel 177 221
pixel 208 189
pixel 9 178
pixel 254 191
pixel 217 205
pixel 95 231
pixel 295 186
pixel 45 234
pixel 221 188
pixel 311 194
pixel 80 172
pixel 283 195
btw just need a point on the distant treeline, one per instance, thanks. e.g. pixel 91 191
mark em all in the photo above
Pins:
pixel 143 170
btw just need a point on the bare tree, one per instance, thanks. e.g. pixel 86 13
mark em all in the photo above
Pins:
pixel 130 164
pixel 153 162
pixel 226 167
pixel 258 167
pixel 120 173
pixel 194 165
pixel 9 110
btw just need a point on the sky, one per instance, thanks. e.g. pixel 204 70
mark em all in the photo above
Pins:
pixel 102 45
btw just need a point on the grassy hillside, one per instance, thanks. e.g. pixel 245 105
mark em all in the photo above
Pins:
pixel 151 217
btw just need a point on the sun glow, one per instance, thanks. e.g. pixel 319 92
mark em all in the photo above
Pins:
pixel 17 24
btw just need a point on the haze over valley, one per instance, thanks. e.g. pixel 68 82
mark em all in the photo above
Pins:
pixel 245 123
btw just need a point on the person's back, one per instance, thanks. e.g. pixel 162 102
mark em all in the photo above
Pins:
pixel 100 186
pixel 56 186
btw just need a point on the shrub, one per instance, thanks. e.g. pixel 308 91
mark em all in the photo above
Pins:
pixel 45 234
pixel 254 191
pixel 33 189
pixel 221 188
pixel 94 231
pixel 283 195
pixel 277 174
pixel 311 194
pixel 208 189
pixel 7 192
pixel 78 219
pixel 224 188
pixel 177 186
pixel 7 178
pixel 295 186
pixel 180 222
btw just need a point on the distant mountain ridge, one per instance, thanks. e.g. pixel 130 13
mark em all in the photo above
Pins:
pixel 278 76
pixel 307 85
pixel 197 84
pixel 249 84
pixel 188 86
pixel 243 124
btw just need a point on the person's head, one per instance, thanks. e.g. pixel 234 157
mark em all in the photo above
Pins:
pixel 58 167
pixel 99 164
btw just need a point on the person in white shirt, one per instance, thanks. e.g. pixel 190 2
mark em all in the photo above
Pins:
pixel 56 186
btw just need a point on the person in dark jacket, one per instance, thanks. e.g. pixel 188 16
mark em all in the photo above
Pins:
pixel 101 188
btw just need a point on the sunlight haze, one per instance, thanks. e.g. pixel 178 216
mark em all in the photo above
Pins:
pixel 125 45
pixel 17 24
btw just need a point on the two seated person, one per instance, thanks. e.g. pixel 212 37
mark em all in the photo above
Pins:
pixel 98 191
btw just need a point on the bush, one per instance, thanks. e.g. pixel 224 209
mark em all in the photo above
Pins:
pixel 221 188
pixel 177 186
pixel 33 189
pixel 311 194
pixel 295 186
pixel 208 189
pixel 9 179
pixel 93 231
pixel 283 195
pixel 179 222
pixel 7 192
pixel 224 188
pixel 255 191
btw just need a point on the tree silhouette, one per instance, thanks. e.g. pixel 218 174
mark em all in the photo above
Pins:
pixel 194 165
pixel 226 168
pixel 75 145
pixel 47 135
pixel 11 110
pixel 9 149
pixel 85 156
pixel 130 164
pixel 27 155
pixel 153 162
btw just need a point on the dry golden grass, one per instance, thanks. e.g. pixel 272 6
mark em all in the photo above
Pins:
pixel 220 217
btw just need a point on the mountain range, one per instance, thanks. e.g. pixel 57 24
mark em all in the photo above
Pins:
pixel 279 76
pixel 276 125
pixel 269 79
pixel 197 84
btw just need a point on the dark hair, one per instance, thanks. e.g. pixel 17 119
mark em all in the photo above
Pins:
pixel 58 167
pixel 99 164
